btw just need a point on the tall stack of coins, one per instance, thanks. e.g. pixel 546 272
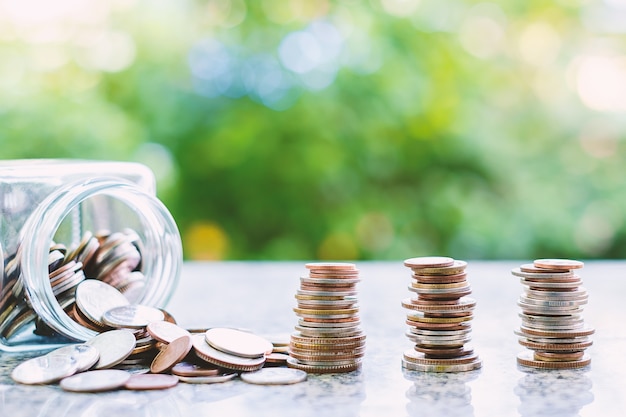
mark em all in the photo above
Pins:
pixel 328 337
pixel 553 327
pixel 439 317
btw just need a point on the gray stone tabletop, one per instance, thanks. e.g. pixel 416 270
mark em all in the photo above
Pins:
pixel 260 296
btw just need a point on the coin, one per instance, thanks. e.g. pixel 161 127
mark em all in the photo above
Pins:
pixel 114 346
pixel 151 381
pixel 330 266
pixel 85 355
pixel 165 331
pixel 274 376
pixel 554 346
pixel 133 316
pixel 44 369
pixel 559 264
pixel 94 298
pixel 558 356
pixel 170 355
pixel 428 262
pixel 212 379
pixel 96 381
pixel 455 367
pixel 237 342
pixel 217 357
pixel 188 369
pixel 526 358
pixel 324 369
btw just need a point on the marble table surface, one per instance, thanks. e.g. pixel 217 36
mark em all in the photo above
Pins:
pixel 260 296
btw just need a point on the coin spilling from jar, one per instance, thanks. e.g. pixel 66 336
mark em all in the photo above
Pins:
pixel 142 348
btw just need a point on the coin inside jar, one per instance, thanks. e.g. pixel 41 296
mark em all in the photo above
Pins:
pixel 133 316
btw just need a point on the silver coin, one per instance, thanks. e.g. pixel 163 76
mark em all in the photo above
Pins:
pixel 212 379
pixel 458 367
pixel 164 331
pixel 96 381
pixel 44 369
pixel 350 293
pixel 94 298
pixel 133 316
pixel 212 355
pixel 274 376
pixel 114 346
pixel 237 342
pixel 552 303
pixel 85 355
pixel 556 295
pixel 542 275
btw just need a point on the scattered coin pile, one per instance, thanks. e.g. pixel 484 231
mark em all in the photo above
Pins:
pixel 439 317
pixel 328 337
pixel 145 352
pixel 553 327
pixel 113 258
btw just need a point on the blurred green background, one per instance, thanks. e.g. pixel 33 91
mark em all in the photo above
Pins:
pixel 354 129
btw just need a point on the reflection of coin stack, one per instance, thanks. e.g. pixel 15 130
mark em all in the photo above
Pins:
pixel 552 322
pixel 328 338
pixel 439 317
pixel 436 394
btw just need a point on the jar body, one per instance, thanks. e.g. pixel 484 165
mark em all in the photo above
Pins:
pixel 49 208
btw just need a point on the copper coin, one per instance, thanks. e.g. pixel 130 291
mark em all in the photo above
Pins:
pixel 324 369
pixel 276 358
pixel 558 356
pixel 141 382
pixel 165 331
pixel 554 347
pixel 559 264
pixel 428 262
pixel 527 359
pixel 533 269
pixel 171 355
pixel 440 279
pixel 332 266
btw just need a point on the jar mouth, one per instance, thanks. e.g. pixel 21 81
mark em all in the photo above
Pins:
pixel 157 234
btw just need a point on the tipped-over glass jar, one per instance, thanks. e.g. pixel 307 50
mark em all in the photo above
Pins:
pixel 64 221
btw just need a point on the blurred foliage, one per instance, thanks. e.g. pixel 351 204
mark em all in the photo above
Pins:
pixel 314 129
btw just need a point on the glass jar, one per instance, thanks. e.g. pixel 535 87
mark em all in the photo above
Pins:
pixel 63 221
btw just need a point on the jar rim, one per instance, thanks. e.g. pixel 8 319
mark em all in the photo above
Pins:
pixel 40 229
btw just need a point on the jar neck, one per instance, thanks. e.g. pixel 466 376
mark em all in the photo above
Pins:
pixel 161 259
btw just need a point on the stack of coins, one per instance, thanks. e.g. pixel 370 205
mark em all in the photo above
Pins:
pixel 328 337
pixel 439 317
pixel 552 324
